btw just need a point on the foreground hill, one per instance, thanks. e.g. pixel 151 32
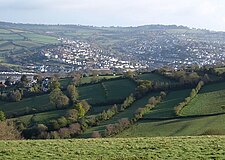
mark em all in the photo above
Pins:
pixel 205 147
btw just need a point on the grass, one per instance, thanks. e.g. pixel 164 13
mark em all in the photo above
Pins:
pixel 41 117
pixel 166 108
pixel 38 38
pixel 210 100
pixel 107 91
pixel 4 31
pixel 190 126
pixel 155 77
pixel 98 109
pixel 28 44
pixel 204 147
pixel 92 93
pixel 86 80
pixel 118 89
pixel 10 36
pixel 196 121
pixel 128 113
pixel 39 103
pixel 64 82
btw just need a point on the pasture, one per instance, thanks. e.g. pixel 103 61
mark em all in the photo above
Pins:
pixel 180 126
pixel 154 77
pixel 127 113
pixel 204 147
pixel 210 100
pixel 37 103
pixel 166 108
pixel 108 91
pixel 40 118
pixel 86 80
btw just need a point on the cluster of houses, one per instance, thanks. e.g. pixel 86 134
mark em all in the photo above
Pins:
pixel 14 78
pixel 165 49
pixel 83 56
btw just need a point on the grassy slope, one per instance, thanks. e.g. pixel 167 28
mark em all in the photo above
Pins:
pixel 85 80
pixel 42 117
pixel 191 125
pixel 166 108
pixel 39 103
pixel 98 109
pixel 211 99
pixel 154 77
pixel 177 127
pixel 128 113
pixel 205 147
pixel 114 90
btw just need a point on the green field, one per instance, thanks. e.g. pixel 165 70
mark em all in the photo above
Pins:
pixel 190 126
pixel 38 103
pixel 64 82
pixel 10 36
pixel 88 79
pixel 38 38
pixel 128 113
pixel 161 121
pixel 107 91
pixel 4 31
pixel 166 108
pixel 41 117
pixel 98 109
pixel 154 77
pixel 204 147
pixel 27 44
pixel 210 100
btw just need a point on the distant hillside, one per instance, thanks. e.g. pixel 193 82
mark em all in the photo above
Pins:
pixel 151 45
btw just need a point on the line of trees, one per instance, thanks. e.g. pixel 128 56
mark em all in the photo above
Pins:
pixel 124 123
pixel 188 99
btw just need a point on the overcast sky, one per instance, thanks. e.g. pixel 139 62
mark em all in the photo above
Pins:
pixel 209 14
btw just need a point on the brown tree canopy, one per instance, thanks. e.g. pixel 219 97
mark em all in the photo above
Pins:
pixel 8 131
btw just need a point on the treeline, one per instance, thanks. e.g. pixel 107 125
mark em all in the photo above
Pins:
pixel 74 122
pixel 187 100
pixel 124 123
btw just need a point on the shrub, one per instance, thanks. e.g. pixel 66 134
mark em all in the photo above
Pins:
pixel 72 93
pixel 96 134
pixel 53 125
pixel 15 96
pixel 62 121
pixel 8 131
pixel 2 116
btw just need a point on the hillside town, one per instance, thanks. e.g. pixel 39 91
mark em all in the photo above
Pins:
pixel 81 55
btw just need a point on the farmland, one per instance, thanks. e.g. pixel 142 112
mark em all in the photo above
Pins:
pixel 38 103
pixel 112 90
pixel 40 118
pixel 188 126
pixel 86 80
pixel 210 100
pixel 154 77
pixel 12 41
pixel 204 115
pixel 128 113
pixel 204 147
pixel 166 108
